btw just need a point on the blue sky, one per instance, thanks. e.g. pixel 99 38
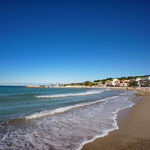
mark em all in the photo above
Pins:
pixel 71 41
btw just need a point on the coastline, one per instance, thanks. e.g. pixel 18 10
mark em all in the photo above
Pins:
pixel 117 116
pixel 133 123
pixel 142 89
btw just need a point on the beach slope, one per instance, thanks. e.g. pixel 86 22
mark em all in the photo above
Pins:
pixel 134 129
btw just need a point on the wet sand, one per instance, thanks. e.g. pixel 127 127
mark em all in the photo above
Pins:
pixel 134 129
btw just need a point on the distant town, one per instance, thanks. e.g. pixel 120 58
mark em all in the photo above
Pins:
pixel 131 81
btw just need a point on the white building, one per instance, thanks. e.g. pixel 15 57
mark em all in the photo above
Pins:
pixel 123 84
pixel 138 81
pixel 144 81
pixel 113 82
pixel 100 84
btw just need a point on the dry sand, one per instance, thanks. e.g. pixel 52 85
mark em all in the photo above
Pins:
pixel 134 129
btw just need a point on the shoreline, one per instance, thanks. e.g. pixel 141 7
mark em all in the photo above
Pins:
pixel 116 118
pixel 106 133
pixel 142 89
pixel 126 132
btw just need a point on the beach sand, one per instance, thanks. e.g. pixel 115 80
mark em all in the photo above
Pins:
pixel 133 132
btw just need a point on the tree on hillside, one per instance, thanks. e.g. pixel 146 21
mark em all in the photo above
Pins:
pixel 130 77
pixel 133 84
pixel 109 78
pixel 88 83
pixel 97 80
pixel 103 81
pixel 122 78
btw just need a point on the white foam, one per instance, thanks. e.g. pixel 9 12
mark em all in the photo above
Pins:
pixel 106 131
pixel 63 109
pixel 69 94
pixel 72 129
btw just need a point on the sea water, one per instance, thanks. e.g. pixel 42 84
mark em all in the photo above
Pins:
pixel 57 118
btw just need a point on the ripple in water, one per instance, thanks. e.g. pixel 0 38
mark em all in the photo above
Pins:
pixel 66 130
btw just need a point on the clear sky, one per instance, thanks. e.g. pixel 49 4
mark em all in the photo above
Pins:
pixel 75 40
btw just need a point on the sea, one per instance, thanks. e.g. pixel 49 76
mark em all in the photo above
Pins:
pixel 58 118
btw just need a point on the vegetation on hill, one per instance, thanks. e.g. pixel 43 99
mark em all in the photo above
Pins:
pixel 85 83
pixel 133 84
pixel 103 81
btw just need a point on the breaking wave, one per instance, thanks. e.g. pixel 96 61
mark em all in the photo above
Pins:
pixel 68 127
pixel 63 109
pixel 70 94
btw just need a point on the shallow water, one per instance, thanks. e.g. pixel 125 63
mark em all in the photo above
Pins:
pixel 47 118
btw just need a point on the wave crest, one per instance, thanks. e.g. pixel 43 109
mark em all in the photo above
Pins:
pixel 70 94
pixel 63 109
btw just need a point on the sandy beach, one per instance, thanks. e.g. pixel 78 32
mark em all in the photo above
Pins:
pixel 133 132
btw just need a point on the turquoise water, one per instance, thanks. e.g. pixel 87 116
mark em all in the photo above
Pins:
pixel 62 119
pixel 21 101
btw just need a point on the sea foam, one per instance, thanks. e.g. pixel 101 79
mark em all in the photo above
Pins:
pixel 71 94
pixel 63 109
pixel 68 127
